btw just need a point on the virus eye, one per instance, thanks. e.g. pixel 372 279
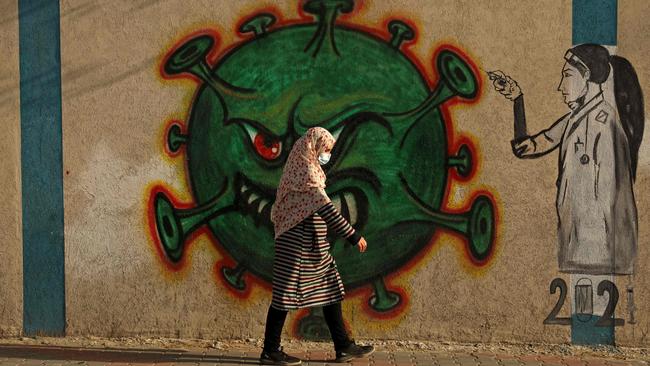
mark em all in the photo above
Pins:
pixel 266 146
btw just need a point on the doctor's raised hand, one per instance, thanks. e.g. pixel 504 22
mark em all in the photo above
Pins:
pixel 504 84
pixel 523 145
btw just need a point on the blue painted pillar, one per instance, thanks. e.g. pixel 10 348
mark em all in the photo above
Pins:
pixel 41 164
pixel 594 21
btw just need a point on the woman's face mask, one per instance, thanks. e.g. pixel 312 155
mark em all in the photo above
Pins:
pixel 324 158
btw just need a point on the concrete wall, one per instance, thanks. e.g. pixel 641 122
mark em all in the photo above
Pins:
pixel 118 107
pixel 11 281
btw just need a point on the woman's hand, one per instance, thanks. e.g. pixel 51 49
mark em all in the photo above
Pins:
pixel 362 244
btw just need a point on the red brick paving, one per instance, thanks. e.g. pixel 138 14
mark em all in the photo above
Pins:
pixel 29 355
pixel 575 362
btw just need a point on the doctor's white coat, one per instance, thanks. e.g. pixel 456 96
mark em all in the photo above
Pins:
pixel 597 217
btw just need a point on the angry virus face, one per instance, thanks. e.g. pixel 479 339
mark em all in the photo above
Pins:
pixel 389 168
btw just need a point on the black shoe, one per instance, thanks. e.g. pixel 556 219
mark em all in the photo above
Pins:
pixel 353 351
pixel 278 358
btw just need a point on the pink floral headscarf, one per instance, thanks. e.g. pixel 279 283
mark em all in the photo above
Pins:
pixel 302 186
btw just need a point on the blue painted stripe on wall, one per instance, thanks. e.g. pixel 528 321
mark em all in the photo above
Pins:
pixel 585 332
pixel 41 162
pixel 594 21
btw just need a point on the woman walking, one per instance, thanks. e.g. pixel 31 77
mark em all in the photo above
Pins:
pixel 304 272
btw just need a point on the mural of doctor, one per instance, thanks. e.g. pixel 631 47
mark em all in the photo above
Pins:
pixel 598 148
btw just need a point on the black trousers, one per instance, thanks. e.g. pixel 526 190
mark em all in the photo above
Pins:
pixel 333 317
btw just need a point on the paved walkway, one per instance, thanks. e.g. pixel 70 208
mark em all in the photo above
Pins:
pixel 26 355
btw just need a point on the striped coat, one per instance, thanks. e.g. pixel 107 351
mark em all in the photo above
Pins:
pixel 304 272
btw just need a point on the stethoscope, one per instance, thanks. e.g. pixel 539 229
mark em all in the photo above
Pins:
pixel 584 158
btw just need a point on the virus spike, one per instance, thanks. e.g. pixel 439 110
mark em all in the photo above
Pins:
pixel 258 24
pixel 383 300
pixel 190 57
pixel 313 326
pixel 476 225
pixel 235 276
pixel 401 32
pixel 325 12
pixel 456 79
pixel 175 225
pixel 175 138
pixel 462 161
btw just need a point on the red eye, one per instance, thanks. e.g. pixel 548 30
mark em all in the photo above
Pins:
pixel 268 148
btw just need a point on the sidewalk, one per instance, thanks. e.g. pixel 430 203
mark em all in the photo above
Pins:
pixel 27 355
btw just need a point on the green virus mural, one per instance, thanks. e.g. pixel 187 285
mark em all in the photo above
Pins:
pixel 390 167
